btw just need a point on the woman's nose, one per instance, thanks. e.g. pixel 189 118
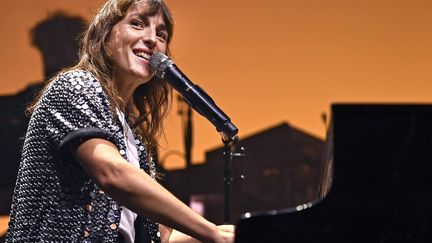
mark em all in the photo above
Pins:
pixel 150 38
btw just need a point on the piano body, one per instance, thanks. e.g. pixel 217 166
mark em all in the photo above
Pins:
pixel 376 183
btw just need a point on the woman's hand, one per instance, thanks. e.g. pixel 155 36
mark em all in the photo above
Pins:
pixel 223 234
pixel 165 233
pixel 226 233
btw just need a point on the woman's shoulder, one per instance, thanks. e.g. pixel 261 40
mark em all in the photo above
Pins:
pixel 77 76
pixel 76 80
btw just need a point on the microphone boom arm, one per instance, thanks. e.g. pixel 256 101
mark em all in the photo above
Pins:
pixel 197 98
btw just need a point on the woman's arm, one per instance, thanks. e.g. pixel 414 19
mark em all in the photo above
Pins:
pixel 136 190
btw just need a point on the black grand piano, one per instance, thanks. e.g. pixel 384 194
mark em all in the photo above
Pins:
pixel 376 183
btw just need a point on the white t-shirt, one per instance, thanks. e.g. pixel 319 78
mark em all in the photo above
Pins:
pixel 127 218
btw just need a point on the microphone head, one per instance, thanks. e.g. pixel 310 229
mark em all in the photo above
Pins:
pixel 160 62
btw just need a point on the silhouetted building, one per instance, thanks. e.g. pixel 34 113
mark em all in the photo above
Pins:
pixel 282 168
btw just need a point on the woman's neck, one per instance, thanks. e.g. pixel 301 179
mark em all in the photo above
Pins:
pixel 126 88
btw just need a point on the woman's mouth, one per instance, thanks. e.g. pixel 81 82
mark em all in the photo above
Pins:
pixel 143 55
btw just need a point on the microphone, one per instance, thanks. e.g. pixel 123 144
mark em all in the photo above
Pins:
pixel 164 68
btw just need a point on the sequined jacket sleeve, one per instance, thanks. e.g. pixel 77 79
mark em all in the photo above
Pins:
pixel 76 108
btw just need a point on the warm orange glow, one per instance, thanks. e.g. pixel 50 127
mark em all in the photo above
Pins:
pixel 266 61
pixel 4 220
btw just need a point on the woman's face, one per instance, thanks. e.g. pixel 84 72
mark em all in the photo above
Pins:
pixel 133 40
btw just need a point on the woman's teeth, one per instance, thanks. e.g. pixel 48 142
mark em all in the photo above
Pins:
pixel 143 55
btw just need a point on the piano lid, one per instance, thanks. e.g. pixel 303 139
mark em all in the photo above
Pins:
pixel 380 182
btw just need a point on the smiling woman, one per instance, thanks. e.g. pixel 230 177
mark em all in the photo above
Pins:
pixel 88 171
pixel 132 41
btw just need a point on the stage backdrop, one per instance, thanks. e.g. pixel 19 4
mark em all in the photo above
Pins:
pixel 264 62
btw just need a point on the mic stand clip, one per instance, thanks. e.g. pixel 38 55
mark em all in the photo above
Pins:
pixel 229 154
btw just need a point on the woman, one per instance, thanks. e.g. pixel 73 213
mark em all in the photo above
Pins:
pixel 90 131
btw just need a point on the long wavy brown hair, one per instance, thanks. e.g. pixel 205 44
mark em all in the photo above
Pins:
pixel 150 103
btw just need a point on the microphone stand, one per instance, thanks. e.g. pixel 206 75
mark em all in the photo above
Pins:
pixel 229 154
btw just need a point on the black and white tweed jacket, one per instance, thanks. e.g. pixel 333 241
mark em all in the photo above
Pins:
pixel 54 199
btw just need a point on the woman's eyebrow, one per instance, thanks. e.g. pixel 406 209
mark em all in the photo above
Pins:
pixel 139 15
pixel 162 27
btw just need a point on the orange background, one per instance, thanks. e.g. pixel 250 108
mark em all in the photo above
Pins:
pixel 264 62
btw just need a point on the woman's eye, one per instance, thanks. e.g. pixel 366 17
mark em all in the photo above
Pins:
pixel 162 35
pixel 136 23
